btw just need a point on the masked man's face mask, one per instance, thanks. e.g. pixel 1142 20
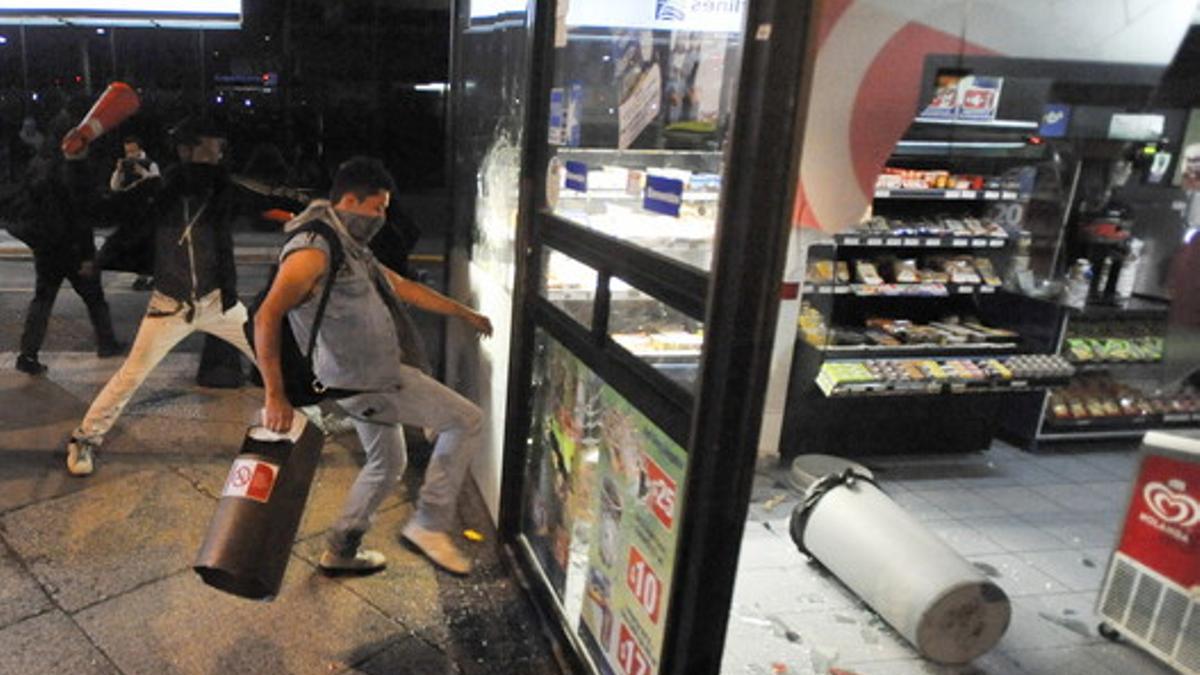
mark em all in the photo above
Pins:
pixel 364 218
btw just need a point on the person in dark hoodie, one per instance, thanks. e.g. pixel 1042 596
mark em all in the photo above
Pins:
pixel 63 248
pixel 195 282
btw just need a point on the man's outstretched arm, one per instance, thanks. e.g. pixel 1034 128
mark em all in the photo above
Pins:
pixel 420 295
pixel 298 274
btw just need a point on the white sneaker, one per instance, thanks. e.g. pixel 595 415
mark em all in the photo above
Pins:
pixel 80 461
pixel 365 561
pixel 438 547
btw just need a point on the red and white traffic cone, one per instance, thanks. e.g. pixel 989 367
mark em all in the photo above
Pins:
pixel 117 104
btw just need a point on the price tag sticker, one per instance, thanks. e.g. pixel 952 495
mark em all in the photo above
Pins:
pixel 966 290
pixel 987 289
pixel 875 241
pixel 893 241
pixel 991 194
pixel 979 243
pixel 969 194
pixel 997 243
pixel 851 241
pixel 960 243
pixel 1010 195
pixel 912 242
pixel 883 194
pixel 954 194
pixel 629 654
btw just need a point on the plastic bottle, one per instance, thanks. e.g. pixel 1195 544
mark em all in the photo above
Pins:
pixel 1129 269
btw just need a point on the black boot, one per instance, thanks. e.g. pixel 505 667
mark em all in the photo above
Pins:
pixel 30 365
pixel 106 342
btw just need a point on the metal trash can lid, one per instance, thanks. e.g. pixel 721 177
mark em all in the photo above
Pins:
pixel 808 469
pixel 815 475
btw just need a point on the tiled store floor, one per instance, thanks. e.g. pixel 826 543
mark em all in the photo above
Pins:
pixel 1041 525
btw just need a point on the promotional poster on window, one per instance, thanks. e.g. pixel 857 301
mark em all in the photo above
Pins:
pixel 632 555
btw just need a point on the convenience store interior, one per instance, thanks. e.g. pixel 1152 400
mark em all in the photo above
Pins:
pixel 992 342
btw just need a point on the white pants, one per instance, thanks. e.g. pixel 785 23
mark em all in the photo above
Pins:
pixel 164 326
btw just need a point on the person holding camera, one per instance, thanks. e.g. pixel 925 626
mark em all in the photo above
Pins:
pixel 134 168
pixel 133 183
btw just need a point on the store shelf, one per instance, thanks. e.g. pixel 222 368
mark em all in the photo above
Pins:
pixel 871 240
pixel 899 290
pixel 952 195
pixel 1133 308
pixel 978 124
pixel 928 350
pixel 1105 366
pixel 940 388
pixel 1114 427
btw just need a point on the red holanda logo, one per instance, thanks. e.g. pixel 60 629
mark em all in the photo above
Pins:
pixel 1172 511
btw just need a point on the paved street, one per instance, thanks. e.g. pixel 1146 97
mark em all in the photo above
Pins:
pixel 95 573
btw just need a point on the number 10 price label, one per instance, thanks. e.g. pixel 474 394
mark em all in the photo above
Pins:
pixel 644 583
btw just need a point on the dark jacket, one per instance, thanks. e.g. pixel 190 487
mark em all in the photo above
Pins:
pixel 44 213
pixel 186 275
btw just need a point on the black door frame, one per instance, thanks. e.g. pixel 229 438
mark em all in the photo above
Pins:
pixel 738 298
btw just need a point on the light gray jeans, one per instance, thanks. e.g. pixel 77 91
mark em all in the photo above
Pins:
pixel 379 418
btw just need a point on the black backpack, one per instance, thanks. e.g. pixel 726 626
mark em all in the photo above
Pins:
pixel 300 384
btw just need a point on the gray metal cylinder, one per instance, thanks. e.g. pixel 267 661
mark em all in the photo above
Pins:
pixel 925 590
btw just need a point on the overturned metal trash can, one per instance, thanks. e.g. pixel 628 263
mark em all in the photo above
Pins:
pixel 249 540
pixel 925 590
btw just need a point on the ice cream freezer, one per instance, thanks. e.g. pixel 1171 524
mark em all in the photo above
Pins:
pixel 1151 591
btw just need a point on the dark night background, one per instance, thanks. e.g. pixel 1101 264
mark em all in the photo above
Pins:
pixel 340 78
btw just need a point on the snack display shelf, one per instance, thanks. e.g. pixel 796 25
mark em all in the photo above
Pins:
pixel 874 240
pixel 939 194
pixel 907 376
pixel 1102 366
pixel 1115 427
pixel 924 350
pixel 931 290
pixel 939 388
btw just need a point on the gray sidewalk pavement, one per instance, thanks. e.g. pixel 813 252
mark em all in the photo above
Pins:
pixel 95 573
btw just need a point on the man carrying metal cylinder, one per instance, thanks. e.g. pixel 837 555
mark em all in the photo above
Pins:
pixel 365 349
